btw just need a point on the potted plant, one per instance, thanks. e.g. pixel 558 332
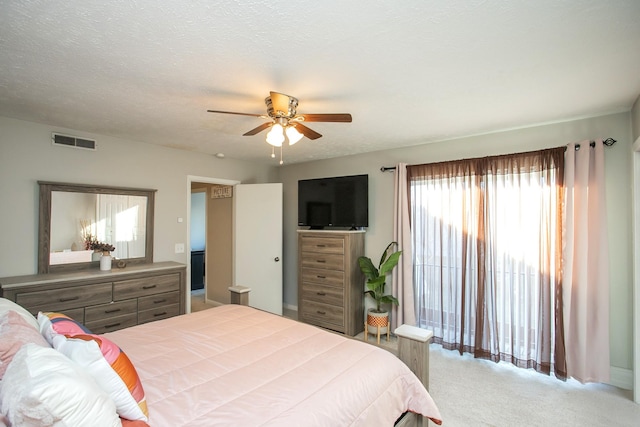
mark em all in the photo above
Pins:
pixel 376 281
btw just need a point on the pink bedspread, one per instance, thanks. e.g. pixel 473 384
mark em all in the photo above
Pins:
pixel 238 366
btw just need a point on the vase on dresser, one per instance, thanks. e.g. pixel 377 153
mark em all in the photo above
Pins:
pixel 105 261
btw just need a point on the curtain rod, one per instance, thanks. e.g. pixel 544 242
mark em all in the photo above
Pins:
pixel 608 142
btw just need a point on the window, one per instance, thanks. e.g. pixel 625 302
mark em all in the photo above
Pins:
pixel 486 239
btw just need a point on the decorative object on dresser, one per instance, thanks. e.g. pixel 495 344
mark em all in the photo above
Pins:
pixel 378 317
pixel 329 280
pixel 104 302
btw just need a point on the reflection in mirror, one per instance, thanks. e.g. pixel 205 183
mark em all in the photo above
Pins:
pixel 81 222
pixel 77 221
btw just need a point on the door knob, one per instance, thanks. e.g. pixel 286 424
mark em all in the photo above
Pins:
pixel 276 259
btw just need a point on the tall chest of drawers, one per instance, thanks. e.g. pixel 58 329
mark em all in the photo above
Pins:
pixel 330 283
pixel 104 301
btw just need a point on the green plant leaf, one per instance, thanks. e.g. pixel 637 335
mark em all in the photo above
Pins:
pixel 367 267
pixel 389 299
pixel 391 262
pixel 384 253
pixel 376 284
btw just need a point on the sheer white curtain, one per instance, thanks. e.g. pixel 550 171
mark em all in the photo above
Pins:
pixel 402 275
pixel 122 223
pixel 586 264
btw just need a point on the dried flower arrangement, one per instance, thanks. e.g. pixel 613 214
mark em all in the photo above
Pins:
pixel 90 241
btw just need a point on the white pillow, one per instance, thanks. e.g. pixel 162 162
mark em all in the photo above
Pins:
pixel 41 387
pixel 8 305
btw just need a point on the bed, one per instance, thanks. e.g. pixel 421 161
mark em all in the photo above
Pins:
pixel 238 366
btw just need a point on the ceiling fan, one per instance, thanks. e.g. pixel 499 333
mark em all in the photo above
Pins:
pixel 284 120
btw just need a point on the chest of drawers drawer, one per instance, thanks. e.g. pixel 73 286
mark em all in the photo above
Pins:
pixel 323 314
pixel 147 286
pixel 323 277
pixel 65 298
pixel 323 294
pixel 327 245
pixel 322 260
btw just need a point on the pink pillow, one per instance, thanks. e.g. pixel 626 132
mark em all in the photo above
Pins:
pixel 14 333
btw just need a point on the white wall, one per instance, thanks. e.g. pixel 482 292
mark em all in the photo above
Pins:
pixel 27 155
pixel 379 233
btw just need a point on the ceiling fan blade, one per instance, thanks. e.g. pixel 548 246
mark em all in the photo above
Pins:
pixel 239 114
pixel 338 117
pixel 280 101
pixel 258 129
pixel 309 133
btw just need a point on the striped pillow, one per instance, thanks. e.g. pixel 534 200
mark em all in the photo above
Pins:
pixel 104 360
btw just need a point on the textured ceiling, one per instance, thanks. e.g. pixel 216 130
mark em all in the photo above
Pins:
pixel 409 72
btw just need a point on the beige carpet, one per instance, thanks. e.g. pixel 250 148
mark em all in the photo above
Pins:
pixel 474 392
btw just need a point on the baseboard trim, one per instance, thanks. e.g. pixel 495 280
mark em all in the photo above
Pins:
pixel 290 307
pixel 621 378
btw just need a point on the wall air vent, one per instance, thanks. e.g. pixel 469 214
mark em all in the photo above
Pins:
pixel 73 141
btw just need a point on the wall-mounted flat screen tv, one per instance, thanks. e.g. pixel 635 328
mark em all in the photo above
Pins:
pixel 341 201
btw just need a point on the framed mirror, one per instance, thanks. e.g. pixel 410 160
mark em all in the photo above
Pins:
pixel 77 222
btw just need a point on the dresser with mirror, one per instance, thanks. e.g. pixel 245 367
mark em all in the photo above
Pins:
pixel 73 219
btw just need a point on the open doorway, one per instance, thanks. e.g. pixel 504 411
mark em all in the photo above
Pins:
pixel 209 231
pixel 198 244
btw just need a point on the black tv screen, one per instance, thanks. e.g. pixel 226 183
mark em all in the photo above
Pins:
pixel 341 201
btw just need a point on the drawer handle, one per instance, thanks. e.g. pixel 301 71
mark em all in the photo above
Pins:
pixel 322 312
pixel 115 310
pixel 321 294
pixel 321 277
pixel 159 314
pixel 321 246
pixel 158 301
pixel 113 325
pixel 149 287
pixel 68 299
pixel 321 261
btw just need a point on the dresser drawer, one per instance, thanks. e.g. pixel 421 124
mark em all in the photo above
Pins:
pixel 158 300
pixel 63 299
pixel 323 294
pixel 158 313
pixel 113 323
pixel 106 311
pixel 322 260
pixel 323 277
pixel 322 314
pixel 74 313
pixel 146 286
pixel 327 245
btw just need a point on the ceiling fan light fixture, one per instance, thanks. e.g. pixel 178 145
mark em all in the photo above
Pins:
pixel 275 136
pixel 293 135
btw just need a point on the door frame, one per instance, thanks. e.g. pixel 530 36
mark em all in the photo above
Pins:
pixel 205 180
pixel 636 269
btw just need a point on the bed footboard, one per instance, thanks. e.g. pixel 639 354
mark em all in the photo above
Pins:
pixel 413 350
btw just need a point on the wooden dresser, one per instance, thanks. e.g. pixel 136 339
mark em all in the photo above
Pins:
pixel 330 283
pixel 104 301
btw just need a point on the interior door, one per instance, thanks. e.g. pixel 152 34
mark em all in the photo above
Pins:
pixel 258 243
